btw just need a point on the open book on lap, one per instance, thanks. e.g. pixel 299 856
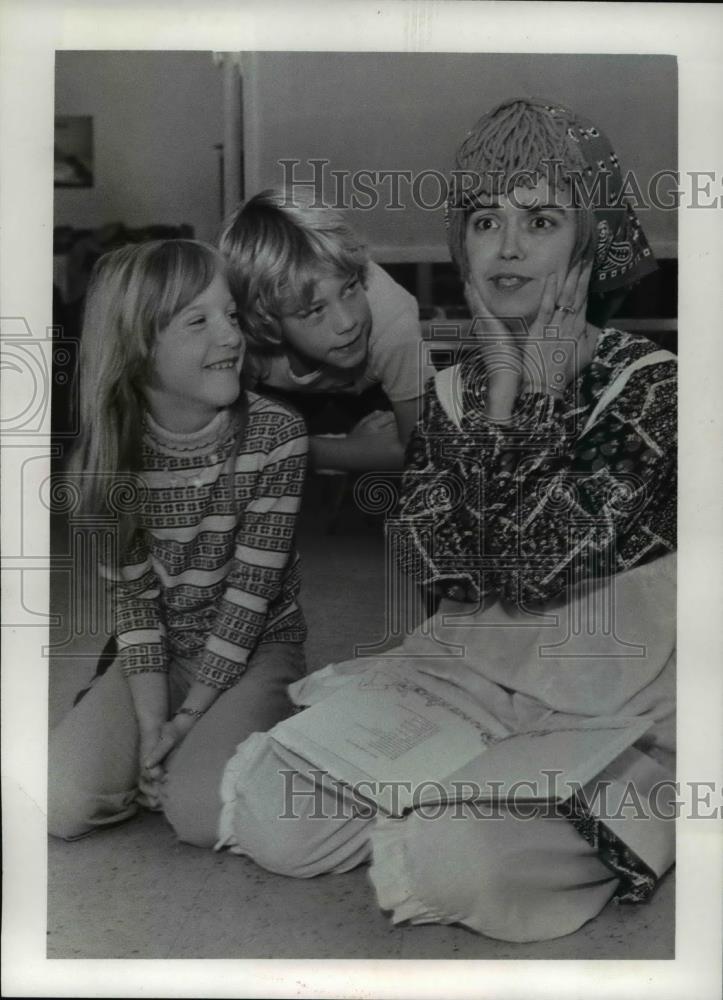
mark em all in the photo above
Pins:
pixel 402 737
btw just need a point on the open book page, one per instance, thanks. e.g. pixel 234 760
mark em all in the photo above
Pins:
pixel 401 739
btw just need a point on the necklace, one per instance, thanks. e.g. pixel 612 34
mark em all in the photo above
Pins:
pixel 178 478
pixel 193 477
pixel 196 477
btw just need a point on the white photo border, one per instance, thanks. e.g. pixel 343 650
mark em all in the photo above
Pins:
pixel 30 33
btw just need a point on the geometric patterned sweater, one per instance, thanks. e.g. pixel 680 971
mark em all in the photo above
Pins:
pixel 214 571
pixel 524 510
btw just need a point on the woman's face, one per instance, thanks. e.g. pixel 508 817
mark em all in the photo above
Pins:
pixel 513 243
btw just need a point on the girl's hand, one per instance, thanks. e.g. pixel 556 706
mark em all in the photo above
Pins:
pixel 500 351
pixel 171 735
pixel 150 700
pixel 149 779
pixel 556 349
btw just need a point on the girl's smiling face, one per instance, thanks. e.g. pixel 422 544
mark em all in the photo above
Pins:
pixel 513 243
pixel 197 360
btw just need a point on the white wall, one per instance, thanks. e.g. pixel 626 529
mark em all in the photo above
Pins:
pixel 156 118
pixel 409 111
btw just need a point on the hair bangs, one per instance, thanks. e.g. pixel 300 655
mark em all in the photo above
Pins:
pixel 177 272
pixel 134 292
pixel 309 257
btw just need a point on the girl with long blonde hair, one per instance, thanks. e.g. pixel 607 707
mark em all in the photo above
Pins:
pixel 204 571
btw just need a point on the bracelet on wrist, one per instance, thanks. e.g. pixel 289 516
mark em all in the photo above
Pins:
pixel 193 713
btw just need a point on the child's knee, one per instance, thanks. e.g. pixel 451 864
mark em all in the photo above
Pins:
pixel 74 812
pixel 69 806
pixel 192 811
pixel 78 801
pixel 68 815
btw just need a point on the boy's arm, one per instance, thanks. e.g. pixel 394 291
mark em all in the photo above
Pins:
pixel 407 413
pixel 377 443
pixel 372 447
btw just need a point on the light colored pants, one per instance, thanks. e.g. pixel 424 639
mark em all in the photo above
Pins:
pixel 505 877
pixel 94 752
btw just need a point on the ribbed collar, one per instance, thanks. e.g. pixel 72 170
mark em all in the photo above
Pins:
pixel 205 439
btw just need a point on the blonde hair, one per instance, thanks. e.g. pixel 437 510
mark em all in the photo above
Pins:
pixel 134 292
pixel 277 248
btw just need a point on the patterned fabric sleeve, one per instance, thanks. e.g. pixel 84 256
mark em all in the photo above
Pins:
pixel 263 556
pixel 526 510
pixel 138 622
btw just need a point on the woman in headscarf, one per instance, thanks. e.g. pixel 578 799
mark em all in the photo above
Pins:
pixel 538 503
pixel 547 407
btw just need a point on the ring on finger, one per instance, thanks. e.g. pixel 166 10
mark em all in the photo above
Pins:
pixel 564 309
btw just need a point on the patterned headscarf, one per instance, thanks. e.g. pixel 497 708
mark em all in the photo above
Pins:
pixel 533 136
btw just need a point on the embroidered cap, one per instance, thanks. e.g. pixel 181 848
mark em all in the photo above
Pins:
pixel 522 140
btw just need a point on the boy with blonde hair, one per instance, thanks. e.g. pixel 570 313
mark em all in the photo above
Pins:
pixel 322 320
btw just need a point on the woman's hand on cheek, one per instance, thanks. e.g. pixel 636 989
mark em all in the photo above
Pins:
pixel 554 352
pixel 501 355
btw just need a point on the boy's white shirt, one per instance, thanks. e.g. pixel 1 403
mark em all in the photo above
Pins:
pixel 396 358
